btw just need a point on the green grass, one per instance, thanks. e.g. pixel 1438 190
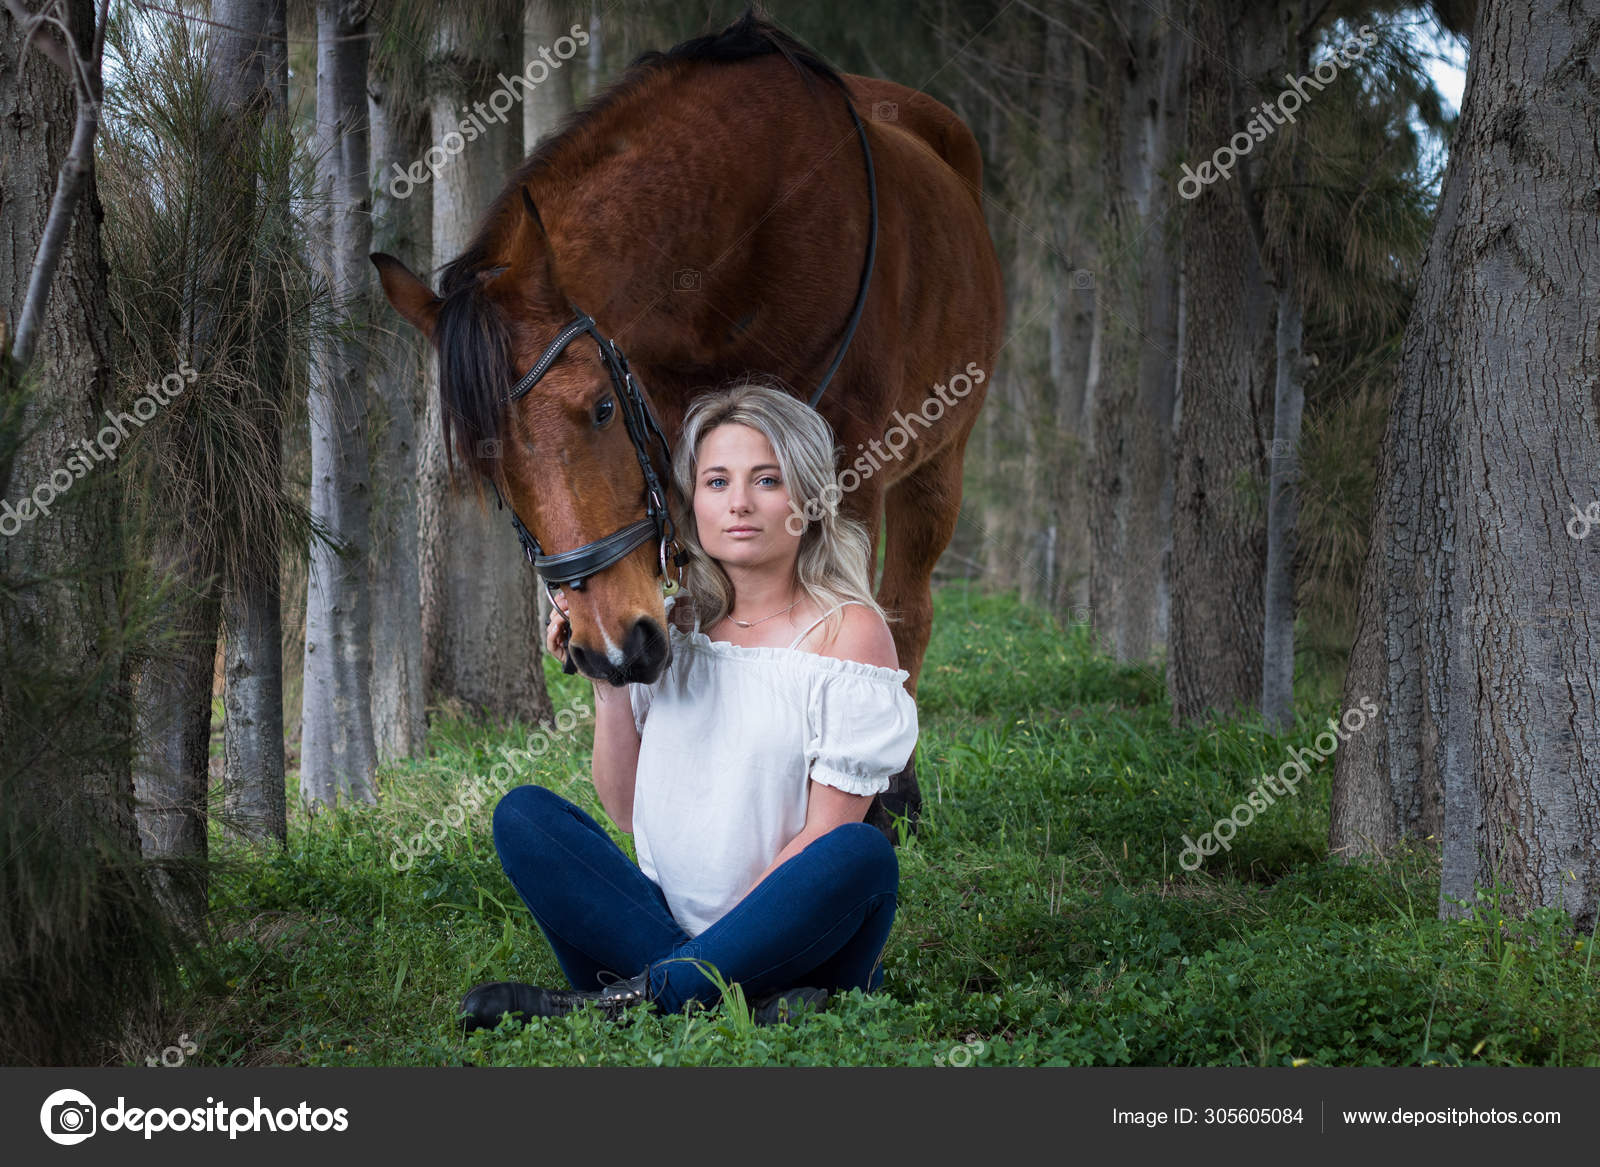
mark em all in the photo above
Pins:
pixel 1042 909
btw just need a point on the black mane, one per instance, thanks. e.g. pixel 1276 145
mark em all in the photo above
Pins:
pixel 475 369
pixel 749 36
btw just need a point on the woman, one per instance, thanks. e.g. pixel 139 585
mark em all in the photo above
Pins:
pixel 745 771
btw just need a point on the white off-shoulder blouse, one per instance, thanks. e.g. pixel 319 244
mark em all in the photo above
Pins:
pixel 729 736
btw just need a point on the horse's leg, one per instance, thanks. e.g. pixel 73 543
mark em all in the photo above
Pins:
pixel 921 509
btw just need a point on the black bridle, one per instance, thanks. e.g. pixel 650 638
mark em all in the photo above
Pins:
pixel 572 568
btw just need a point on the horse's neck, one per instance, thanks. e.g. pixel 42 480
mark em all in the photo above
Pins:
pixel 686 258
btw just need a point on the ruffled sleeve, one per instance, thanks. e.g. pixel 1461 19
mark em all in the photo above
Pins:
pixel 861 729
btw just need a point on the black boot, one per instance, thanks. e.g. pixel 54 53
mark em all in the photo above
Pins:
pixel 779 1007
pixel 483 1006
pixel 903 799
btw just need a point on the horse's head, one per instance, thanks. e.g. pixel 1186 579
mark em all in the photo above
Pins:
pixel 561 454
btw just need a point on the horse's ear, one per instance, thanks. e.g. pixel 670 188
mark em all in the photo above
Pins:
pixel 533 211
pixel 412 298
pixel 532 260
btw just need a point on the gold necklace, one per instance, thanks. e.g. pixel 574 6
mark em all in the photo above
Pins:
pixel 763 619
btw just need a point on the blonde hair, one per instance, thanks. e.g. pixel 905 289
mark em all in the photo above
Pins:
pixel 833 564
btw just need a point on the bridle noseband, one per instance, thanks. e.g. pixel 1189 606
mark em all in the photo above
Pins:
pixel 572 568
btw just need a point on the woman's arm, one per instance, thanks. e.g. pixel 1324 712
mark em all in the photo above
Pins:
pixel 862 636
pixel 826 807
pixel 616 738
pixel 616 753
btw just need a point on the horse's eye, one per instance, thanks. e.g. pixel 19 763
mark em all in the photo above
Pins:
pixel 603 411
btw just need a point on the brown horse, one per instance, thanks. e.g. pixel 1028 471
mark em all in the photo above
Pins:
pixel 710 211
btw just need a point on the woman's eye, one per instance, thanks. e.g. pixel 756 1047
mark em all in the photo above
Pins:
pixel 603 411
pixel 718 479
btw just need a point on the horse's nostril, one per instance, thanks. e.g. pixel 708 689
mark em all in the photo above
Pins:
pixel 645 651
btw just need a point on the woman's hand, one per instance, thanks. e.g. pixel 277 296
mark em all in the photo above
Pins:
pixel 558 632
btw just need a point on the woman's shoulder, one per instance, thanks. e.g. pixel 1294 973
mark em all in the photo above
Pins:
pixel 863 636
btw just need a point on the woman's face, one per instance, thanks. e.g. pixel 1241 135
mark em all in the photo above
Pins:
pixel 741 500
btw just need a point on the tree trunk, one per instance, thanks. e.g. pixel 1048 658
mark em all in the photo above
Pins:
pixel 1218 535
pixel 481 639
pixel 1055 441
pixel 1001 529
pixel 67 757
pixel 400 227
pixel 547 103
pixel 1071 343
pixel 337 756
pixel 597 57
pixel 1386 781
pixel 1482 573
pixel 1283 457
pixel 1132 465
pixel 250 52
pixel 1387 784
pixel 254 802
pixel 189 544
pixel 172 770
pixel 1283 514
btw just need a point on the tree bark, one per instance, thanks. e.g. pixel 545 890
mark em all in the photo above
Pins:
pixel 1283 461
pixel 68 758
pixel 400 227
pixel 1283 514
pixel 1056 443
pixel 1219 537
pixel 190 541
pixel 79 55
pixel 481 637
pixel 172 773
pixel 1071 342
pixel 1130 474
pixel 547 103
pixel 337 755
pixel 597 57
pixel 251 49
pixel 1387 784
pixel 1475 639
pixel 1002 527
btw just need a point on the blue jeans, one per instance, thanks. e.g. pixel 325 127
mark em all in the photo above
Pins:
pixel 819 920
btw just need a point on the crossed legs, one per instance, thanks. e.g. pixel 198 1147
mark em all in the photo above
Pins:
pixel 821 919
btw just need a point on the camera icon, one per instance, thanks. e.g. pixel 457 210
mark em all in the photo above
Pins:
pixel 686 279
pixel 72 1118
pixel 1082 613
pixel 885 111
pixel 490 448
pixel 68 1117
pixel 1282 449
